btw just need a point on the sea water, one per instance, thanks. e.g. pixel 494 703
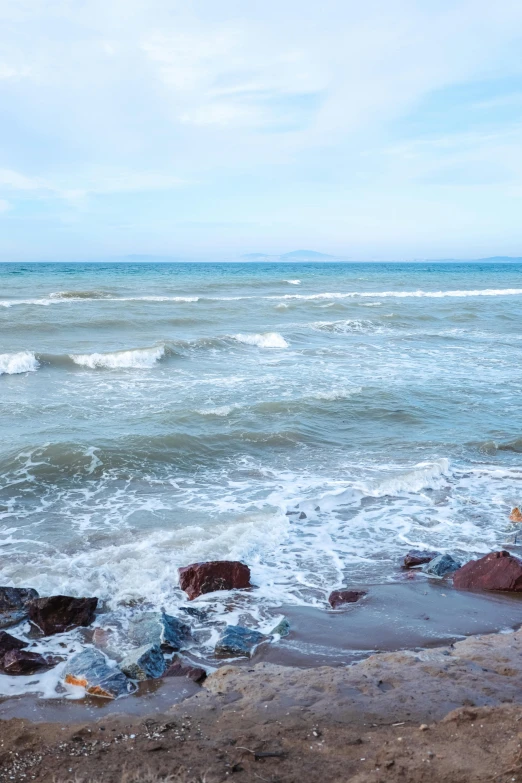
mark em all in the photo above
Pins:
pixel 315 421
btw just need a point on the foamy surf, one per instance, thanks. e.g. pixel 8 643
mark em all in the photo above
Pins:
pixel 266 340
pixel 140 358
pixel 16 363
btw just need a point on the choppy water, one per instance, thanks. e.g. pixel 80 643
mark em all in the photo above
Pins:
pixel 155 415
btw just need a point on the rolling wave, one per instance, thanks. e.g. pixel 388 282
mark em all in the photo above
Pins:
pixel 266 340
pixel 140 358
pixel 16 363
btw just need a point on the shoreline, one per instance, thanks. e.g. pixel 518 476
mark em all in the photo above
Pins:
pixel 447 713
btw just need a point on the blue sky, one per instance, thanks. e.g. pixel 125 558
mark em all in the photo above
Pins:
pixel 211 128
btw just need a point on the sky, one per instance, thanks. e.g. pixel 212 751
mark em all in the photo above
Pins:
pixel 389 129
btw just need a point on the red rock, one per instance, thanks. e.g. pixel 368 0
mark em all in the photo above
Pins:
pixel 24 662
pixel 8 642
pixel 179 669
pixel 200 578
pixel 496 571
pixel 59 613
pixel 340 597
pixel 417 557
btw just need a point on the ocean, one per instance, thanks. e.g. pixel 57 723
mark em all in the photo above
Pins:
pixel 315 421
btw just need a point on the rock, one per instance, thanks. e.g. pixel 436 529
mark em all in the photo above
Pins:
pixel 24 662
pixel 417 557
pixel 496 571
pixel 516 515
pixel 281 629
pixel 158 628
pixel 237 641
pixel 199 614
pixel 8 642
pixel 200 578
pixel 144 663
pixel 90 670
pixel 340 597
pixel 59 613
pixel 180 668
pixel 13 604
pixel 442 565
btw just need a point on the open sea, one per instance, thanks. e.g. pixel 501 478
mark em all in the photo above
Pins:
pixel 312 420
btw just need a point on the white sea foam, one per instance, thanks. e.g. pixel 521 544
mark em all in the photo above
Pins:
pixel 218 410
pixel 155 299
pixel 338 394
pixel 404 294
pixel 15 363
pixel 266 340
pixel 293 282
pixel 344 327
pixel 139 358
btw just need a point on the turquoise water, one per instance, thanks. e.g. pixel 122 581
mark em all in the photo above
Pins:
pixel 157 414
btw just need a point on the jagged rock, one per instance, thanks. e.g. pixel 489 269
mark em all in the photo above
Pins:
pixel 516 515
pixel 442 565
pixel 13 604
pixel 282 628
pixel 180 668
pixel 200 578
pixel 496 571
pixel 340 597
pixel 145 663
pixel 8 642
pixel 417 557
pixel 237 641
pixel 158 628
pixel 59 613
pixel 90 670
pixel 24 662
pixel 199 614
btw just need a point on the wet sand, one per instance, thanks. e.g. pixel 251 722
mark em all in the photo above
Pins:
pixel 414 614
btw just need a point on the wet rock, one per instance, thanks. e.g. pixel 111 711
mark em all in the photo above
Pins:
pixel 237 641
pixel 180 668
pixel 13 604
pixel 417 557
pixel 158 628
pixel 442 565
pixel 144 663
pixel 340 597
pixel 302 515
pixel 90 670
pixel 59 613
pixel 200 578
pixel 8 642
pixel 516 515
pixel 281 629
pixel 24 662
pixel 496 571
pixel 199 614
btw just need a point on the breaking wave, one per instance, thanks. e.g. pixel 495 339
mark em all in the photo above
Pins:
pixel 15 363
pixel 266 340
pixel 140 358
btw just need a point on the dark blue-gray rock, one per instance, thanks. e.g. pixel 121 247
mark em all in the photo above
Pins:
pixel 281 629
pixel 24 662
pixel 158 628
pixel 236 641
pixel 13 604
pixel 442 565
pixel 91 670
pixel 199 614
pixel 8 642
pixel 145 663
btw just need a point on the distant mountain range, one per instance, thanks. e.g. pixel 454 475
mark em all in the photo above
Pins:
pixel 295 255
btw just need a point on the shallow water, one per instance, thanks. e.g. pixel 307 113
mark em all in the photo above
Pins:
pixel 153 415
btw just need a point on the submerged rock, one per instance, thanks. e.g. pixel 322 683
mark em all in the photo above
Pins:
pixel 90 670
pixel 180 668
pixel 516 515
pixel 13 604
pixel 24 662
pixel 59 613
pixel 199 614
pixel 417 557
pixel 237 641
pixel 200 578
pixel 442 565
pixel 145 663
pixel 496 571
pixel 158 628
pixel 281 629
pixel 340 597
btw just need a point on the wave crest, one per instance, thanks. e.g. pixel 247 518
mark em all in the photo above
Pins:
pixel 266 340
pixel 15 363
pixel 139 358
